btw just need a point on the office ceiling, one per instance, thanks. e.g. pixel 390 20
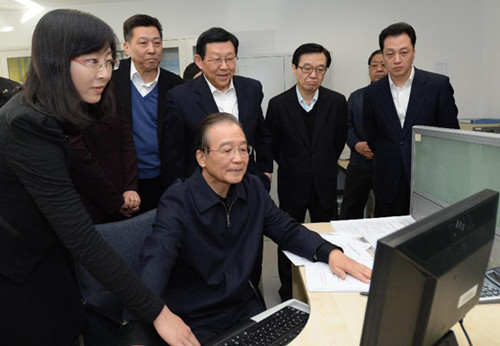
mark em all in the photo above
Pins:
pixel 14 5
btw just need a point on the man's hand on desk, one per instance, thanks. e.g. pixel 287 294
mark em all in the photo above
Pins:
pixel 340 264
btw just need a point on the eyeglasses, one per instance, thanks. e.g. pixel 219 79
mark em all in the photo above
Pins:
pixel 94 65
pixel 309 69
pixel 217 62
pixel 229 151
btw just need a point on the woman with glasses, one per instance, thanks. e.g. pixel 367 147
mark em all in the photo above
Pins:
pixel 43 224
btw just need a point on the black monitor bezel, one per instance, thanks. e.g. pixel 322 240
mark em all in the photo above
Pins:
pixel 396 244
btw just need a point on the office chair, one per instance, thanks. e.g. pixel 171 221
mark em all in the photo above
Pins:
pixel 104 311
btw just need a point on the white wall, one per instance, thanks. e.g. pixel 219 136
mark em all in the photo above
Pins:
pixel 455 37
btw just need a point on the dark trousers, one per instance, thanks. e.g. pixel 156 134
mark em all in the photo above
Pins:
pixel 401 203
pixel 317 214
pixel 358 182
pixel 150 191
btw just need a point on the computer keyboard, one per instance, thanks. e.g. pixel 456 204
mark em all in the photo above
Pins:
pixel 491 287
pixel 279 328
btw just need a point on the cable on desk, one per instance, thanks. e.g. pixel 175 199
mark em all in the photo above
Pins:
pixel 465 332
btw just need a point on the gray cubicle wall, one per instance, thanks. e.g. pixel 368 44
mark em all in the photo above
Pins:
pixel 449 165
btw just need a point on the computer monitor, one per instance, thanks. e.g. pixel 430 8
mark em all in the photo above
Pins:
pixel 427 276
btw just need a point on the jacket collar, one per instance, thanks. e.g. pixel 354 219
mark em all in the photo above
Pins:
pixel 205 98
pixel 205 197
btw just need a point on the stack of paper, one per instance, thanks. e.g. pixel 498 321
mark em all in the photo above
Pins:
pixel 372 229
pixel 355 237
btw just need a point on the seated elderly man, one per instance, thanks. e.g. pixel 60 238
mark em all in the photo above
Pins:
pixel 208 233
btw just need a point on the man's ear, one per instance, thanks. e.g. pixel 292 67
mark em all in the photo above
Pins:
pixel 198 61
pixel 201 157
pixel 295 71
pixel 126 48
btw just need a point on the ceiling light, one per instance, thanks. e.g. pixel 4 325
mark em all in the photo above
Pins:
pixel 32 9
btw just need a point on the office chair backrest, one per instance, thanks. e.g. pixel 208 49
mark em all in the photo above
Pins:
pixel 105 310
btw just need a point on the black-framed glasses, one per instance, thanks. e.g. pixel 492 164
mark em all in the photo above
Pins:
pixel 218 61
pixel 231 151
pixel 94 66
pixel 307 69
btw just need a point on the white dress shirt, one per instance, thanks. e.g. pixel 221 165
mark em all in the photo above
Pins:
pixel 303 102
pixel 143 88
pixel 226 101
pixel 401 96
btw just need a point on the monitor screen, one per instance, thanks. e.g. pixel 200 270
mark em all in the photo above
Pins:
pixel 427 276
pixel 449 165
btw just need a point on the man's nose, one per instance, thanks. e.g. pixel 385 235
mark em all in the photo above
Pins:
pixel 223 64
pixel 150 47
pixel 237 156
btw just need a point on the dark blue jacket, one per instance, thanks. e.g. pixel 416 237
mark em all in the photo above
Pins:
pixel 355 130
pixel 201 253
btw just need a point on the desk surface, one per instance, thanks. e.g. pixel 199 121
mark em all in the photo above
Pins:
pixel 337 318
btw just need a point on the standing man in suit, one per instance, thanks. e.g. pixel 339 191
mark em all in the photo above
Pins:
pixel 392 106
pixel 309 127
pixel 142 87
pixel 359 175
pixel 217 90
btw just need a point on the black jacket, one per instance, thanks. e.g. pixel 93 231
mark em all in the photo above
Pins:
pixel 43 218
pixel 192 102
pixel 302 163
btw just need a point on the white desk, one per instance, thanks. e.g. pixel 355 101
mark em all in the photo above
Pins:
pixel 337 318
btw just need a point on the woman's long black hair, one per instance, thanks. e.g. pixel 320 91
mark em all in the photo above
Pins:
pixel 60 36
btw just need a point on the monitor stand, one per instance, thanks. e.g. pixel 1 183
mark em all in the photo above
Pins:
pixel 448 339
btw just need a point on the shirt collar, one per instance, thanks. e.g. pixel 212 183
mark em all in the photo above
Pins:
pixel 205 197
pixel 214 89
pixel 407 83
pixel 303 102
pixel 134 74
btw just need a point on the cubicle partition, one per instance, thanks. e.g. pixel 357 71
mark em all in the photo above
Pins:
pixel 449 165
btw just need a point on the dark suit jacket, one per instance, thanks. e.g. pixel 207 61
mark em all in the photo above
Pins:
pixel 166 81
pixel 431 103
pixel 303 164
pixel 190 103
pixel 104 165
